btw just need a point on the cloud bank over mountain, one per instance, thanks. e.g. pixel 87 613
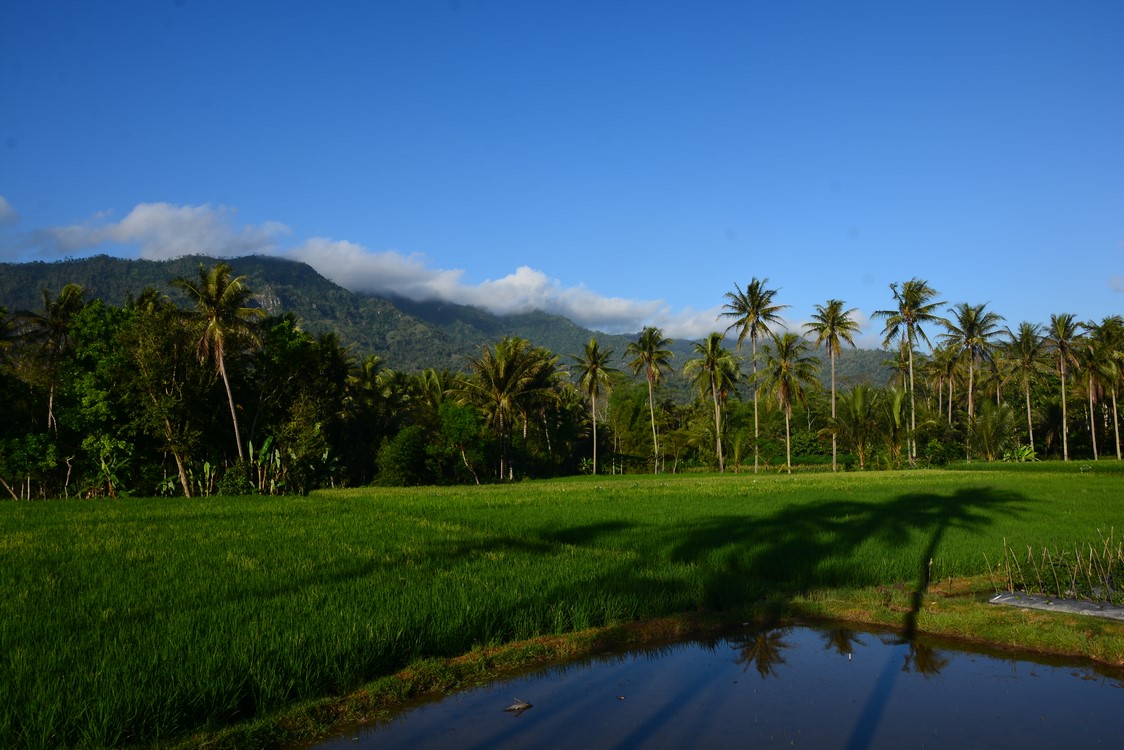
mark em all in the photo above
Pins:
pixel 159 231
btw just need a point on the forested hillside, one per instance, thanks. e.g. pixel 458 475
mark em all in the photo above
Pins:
pixel 410 336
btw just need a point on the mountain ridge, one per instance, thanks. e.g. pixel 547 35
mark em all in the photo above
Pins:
pixel 409 335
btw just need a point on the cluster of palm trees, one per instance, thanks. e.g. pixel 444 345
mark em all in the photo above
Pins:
pixel 119 375
pixel 969 350
pixel 790 369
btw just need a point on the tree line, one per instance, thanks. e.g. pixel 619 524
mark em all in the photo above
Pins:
pixel 207 394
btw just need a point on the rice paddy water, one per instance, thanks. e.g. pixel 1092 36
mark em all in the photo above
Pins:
pixel 826 686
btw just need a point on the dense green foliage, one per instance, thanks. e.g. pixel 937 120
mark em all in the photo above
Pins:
pixel 133 620
pixel 219 387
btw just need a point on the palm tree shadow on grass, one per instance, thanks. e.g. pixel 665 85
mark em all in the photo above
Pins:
pixel 743 560
pixel 811 545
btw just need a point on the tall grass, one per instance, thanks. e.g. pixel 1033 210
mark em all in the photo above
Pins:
pixel 134 621
pixel 1093 571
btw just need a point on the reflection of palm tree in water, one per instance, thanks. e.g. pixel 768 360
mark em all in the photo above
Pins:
pixel 921 658
pixel 925 660
pixel 842 640
pixel 762 650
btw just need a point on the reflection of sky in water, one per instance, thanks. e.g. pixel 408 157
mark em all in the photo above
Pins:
pixel 801 686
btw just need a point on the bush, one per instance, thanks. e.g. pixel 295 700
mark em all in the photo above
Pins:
pixel 402 460
pixel 236 481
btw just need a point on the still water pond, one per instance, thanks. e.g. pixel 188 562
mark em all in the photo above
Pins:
pixel 816 687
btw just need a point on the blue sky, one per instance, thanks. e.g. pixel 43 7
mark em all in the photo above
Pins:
pixel 622 163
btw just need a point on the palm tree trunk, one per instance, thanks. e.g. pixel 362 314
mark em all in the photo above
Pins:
pixel 756 430
pixel 655 441
pixel 788 438
pixel 1065 424
pixel 912 408
pixel 52 423
pixel 593 417
pixel 1092 417
pixel 181 469
pixel 230 399
pixel 1115 422
pixel 717 424
pixel 950 402
pixel 503 446
pixel 464 457
pixel 971 387
pixel 831 355
pixel 1029 422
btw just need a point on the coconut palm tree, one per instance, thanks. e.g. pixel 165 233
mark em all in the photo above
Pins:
pixel 1061 336
pixel 831 324
pixel 221 320
pixel 753 312
pixel 972 333
pixel 1108 362
pixel 790 368
pixel 915 308
pixel 48 335
pixel 1099 355
pixel 714 370
pixel 1026 355
pixel 594 373
pixel 650 353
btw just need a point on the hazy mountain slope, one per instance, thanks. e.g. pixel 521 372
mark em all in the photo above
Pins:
pixel 409 335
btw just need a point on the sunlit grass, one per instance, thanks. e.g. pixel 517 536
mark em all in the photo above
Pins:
pixel 130 621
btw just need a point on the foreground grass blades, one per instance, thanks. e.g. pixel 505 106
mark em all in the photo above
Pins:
pixel 142 621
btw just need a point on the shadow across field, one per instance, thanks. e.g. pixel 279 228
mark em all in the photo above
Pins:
pixel 726 562
pixel 837 542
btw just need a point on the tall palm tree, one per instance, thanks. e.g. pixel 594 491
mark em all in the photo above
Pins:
pixel 753 312
pixel 832 324
pixel 1099 355
pixel 594 373
pixel 1061 336
pixel 1107 360
pixel 221 320
pixel 714 370
pixel 789 369
pixel 915 307
pixel 1026 355
pixel 650 353
pixel 972 333
pixel 48 333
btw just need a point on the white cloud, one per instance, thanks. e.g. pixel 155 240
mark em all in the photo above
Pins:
pixel 8 215
pixel 354 267
pixel 361 270
pixel 165 231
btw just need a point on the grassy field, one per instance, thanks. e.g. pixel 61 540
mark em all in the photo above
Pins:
pixel 136 621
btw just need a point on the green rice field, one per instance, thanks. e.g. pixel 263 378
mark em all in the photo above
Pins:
pixel 138 621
